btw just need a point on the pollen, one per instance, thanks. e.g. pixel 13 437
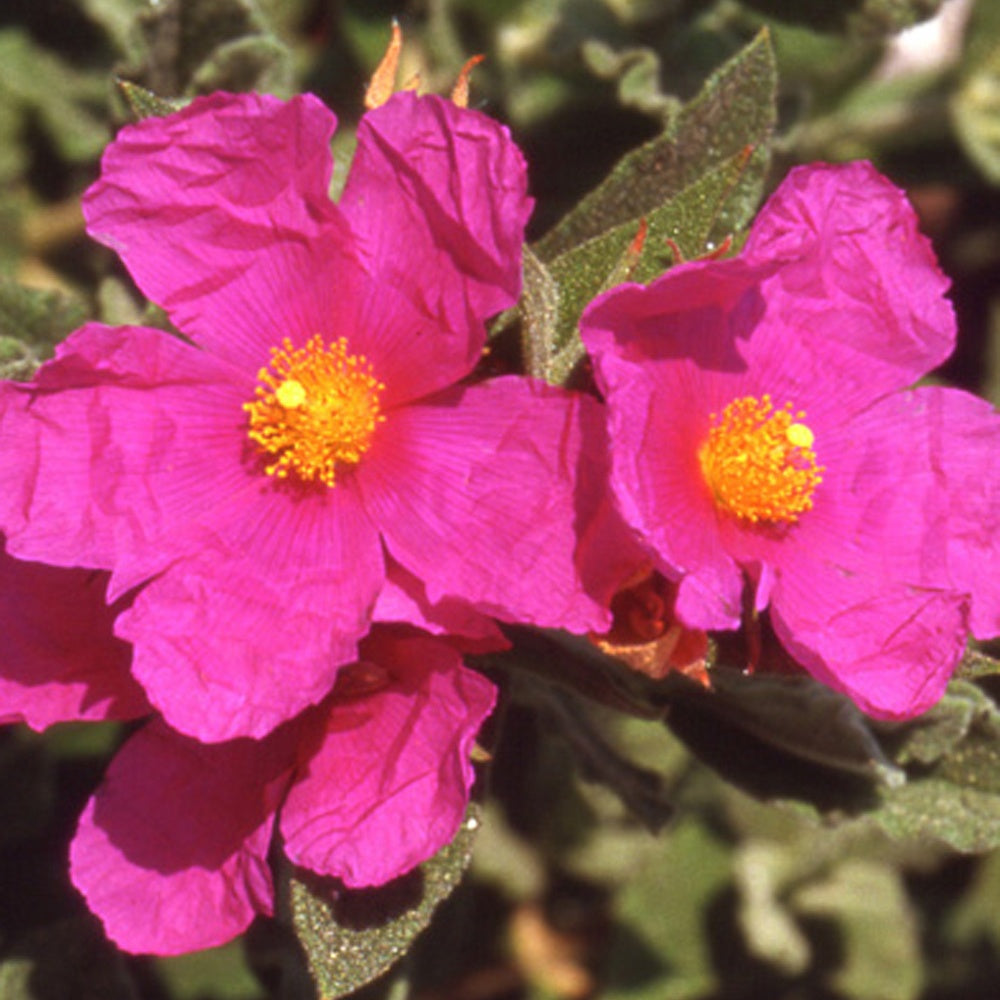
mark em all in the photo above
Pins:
pixel 316 410
pixel 759 462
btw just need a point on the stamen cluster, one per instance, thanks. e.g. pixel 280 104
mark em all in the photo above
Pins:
pixel 318 408
pixel 759 462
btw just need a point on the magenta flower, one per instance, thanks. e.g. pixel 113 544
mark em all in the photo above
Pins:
pixel 764 436
pixel 309 460
pixel 171 852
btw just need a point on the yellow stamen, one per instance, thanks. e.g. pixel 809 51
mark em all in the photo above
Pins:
pixel 318 408
pixel 759 463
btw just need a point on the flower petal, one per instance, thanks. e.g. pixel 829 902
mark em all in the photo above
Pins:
pixel 388 786
pixel 912 493
pixel 219 634
pixel 890 647
pixel 475 494
pixel 859 295
pixel 171 851
pixel 437 198
pixel 59 660
pixel 120 452
pixel 221 213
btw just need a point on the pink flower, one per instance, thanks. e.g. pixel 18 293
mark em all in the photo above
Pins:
pixel 171 852
pixel 764 435
pixel 309 459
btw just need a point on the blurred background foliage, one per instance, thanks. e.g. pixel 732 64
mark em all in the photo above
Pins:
pixel 616 857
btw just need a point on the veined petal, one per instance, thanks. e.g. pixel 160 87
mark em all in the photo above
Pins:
pixel 890 647
pixel 475 493
pixel 437 199
pixel 171 851
pixel 388 785
pixel 234 641
pixel 120 452
pixel 222 215
pixel 859 295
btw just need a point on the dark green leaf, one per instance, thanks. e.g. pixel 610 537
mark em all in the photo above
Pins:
pixel 688 220
pixel 880 17
pixel 801 731
pixel 735 110
pixel 194 46
pixel 71 958
pixel 352 937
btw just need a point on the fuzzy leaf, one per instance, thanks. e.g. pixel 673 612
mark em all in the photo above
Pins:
pixel 144 103
pixel 352 937
pixel 734 110
pixel 952 794
pixel 31 321
pixel 688 219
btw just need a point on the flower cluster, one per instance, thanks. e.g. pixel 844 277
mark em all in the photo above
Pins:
pixel 286 504
pixel 272 537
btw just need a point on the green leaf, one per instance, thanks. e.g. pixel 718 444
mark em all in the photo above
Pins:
pixel 68 958
pixel 864 17
pixel 658 948
pixel 976 664
pixel 735 109
pixel 144 103
pixel 352 937
pixel 539 307
pixel 692 186
pixel 880 939
pixel 952 793
pixel 67 101
pixel 221 973
pixel 775 736
pixel 194 46
pixel 688 220
pixel 31 321
pixel 976 114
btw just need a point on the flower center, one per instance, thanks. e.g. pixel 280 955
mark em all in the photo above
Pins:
pixel 759 463
pixel 318 408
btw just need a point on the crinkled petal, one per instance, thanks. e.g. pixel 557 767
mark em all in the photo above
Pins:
pixel 59 660
pixel 912 493
pixel 233 642
pixel 475 494
pixel 222 215
pixel 890 647
pixel 859 295
pixel 437 198
pixel 389 783
pixel 125 450
pixel 171 851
